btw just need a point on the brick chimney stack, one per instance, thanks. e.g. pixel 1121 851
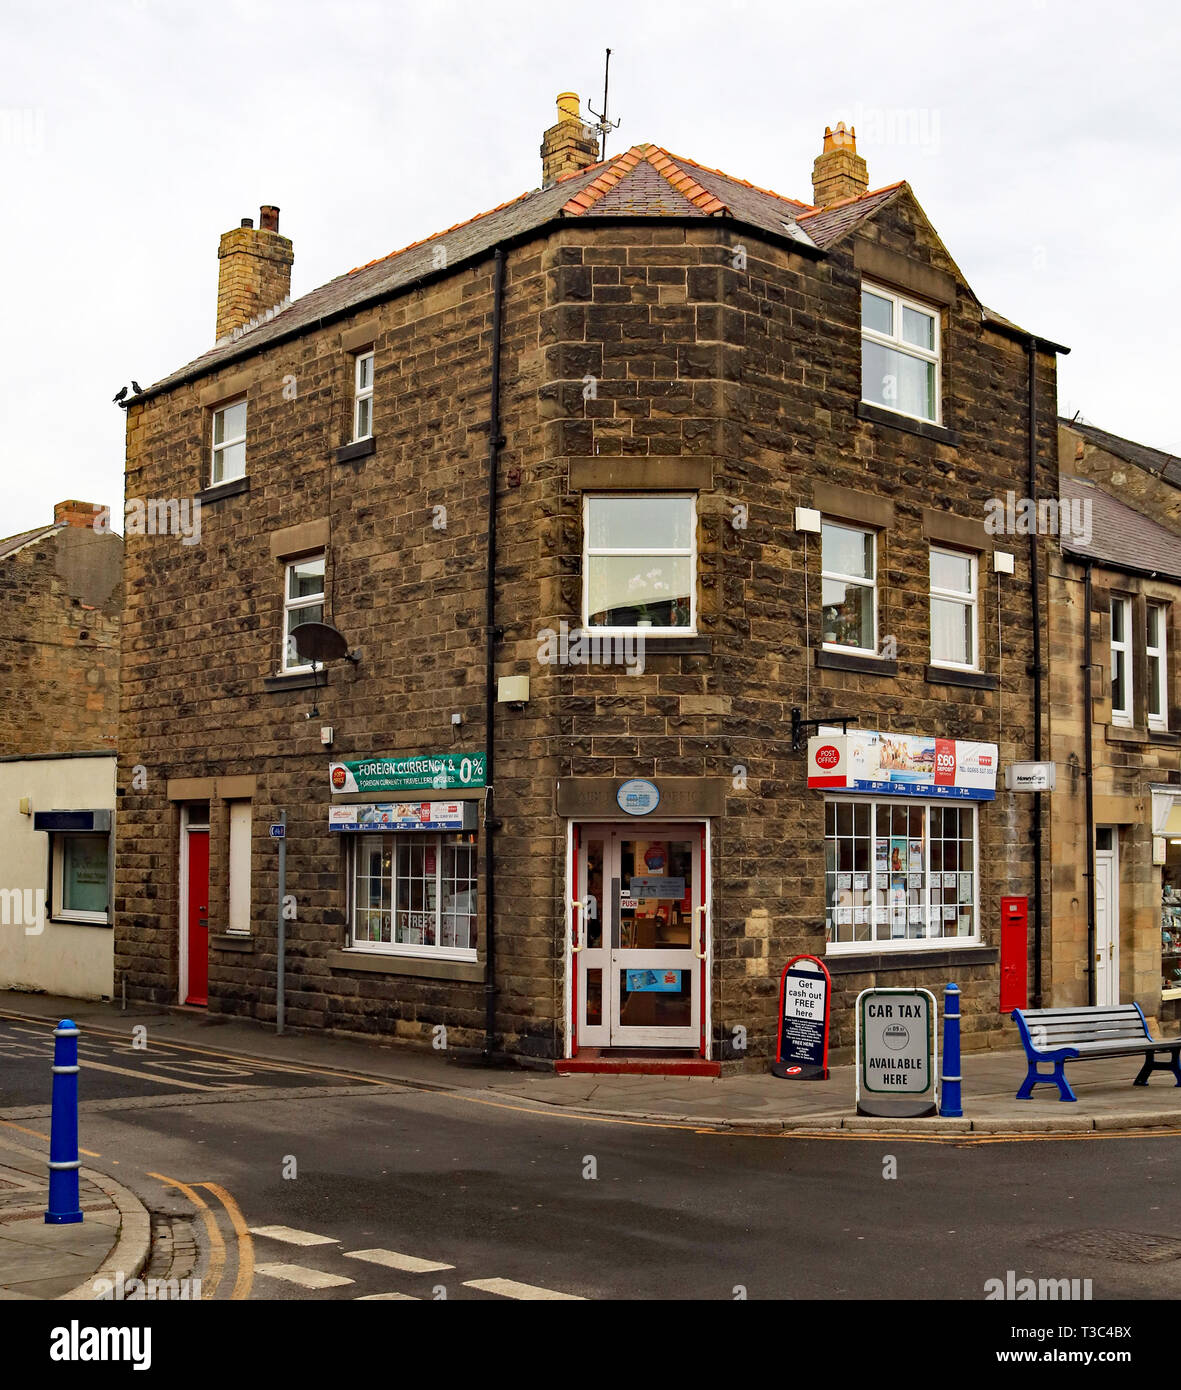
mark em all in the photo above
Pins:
pixel 568 145
pixel 838 171
pixel 74 513
pixel 254 270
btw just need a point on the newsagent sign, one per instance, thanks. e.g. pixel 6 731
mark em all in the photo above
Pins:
pixel 896 1052
pixel 423 772
pixel 865 760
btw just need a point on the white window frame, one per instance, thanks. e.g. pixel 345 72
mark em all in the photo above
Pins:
pixel 305 601
pixel 895 341
pixel 1122 716
pixel 902 945
pixel 1158 722
pixel 838 577
pixel 674 552
pixel 362 393
pixel 399 948
pixel 60 913
pixel 217 449
pixel 968 599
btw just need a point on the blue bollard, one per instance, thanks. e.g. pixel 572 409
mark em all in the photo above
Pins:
pixel 64 1207
pixel 949 1093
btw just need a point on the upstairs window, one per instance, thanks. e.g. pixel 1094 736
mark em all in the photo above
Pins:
pixel 363 397
pixel 899 354
pixel 1155 647
pixel 1121 661
pixel 848 591
pixel 640 563
pixel 229 443
pixel 303 603
pixel 953 609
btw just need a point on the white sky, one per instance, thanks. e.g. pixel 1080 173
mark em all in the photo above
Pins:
pixel 1040 138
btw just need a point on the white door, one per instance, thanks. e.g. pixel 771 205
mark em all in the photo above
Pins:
pixel 641 935
pixel 1106 915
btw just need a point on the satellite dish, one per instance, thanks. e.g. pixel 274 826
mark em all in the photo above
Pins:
pixel 319 642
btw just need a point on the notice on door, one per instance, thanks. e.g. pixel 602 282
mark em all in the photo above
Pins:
pixel 802 1051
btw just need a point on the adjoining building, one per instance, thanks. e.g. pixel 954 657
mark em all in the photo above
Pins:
pixel 1115 713
pixel 597 508
pixel 59 701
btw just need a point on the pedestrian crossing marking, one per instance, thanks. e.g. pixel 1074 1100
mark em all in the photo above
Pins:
pixel 411 1264
pixel 509 1288
pixel 305 1278
pixel 292 1237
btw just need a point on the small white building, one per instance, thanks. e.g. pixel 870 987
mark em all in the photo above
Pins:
pixel 57 815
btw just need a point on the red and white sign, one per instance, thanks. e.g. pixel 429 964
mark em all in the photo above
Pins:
pixel 866 760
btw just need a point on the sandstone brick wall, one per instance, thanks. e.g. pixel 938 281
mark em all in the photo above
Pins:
pixel 59 644
pixel 757 370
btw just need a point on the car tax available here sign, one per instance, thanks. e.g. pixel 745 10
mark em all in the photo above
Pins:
pixel 896 1051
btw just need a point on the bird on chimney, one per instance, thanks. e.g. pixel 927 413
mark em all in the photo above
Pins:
pixel 136 388
pixel 118 398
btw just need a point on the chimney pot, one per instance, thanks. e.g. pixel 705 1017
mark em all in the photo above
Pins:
pixel 268 218
pixel 246 222
pixel 838 171
pixel 568 145
pixel 254 271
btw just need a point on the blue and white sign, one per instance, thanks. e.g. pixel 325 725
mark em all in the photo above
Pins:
pixel 638 797
pixel 278 832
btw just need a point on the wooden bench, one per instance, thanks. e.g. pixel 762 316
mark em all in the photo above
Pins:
pixel 1059 1036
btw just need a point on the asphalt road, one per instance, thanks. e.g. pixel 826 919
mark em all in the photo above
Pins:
pixel 454 1190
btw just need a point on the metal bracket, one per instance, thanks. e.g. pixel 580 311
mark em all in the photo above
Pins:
pixel 803 729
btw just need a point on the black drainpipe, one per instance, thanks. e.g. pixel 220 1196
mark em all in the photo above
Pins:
pixel 493 635
pixel 1036 672
pixel 1088 674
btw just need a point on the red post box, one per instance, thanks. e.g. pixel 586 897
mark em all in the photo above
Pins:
pixel 1014 954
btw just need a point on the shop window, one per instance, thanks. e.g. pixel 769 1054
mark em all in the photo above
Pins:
pixel 849 588
pixel 1156 649
pixel 81 879
pixel 415 894
pixel 640 564
pixel 899 354
pixel 953 609
pixel 229 442
pixel 899 875
pixel 1170 927
pixel 239 861
pixel 363 396
pixel 1121 661
pixel 303 603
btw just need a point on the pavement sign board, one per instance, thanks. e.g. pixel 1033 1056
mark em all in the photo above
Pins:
pixel 801 1053
pixel 896 1052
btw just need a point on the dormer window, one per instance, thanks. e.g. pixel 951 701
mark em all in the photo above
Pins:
pixel 899 354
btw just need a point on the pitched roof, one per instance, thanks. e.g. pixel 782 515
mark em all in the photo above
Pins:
pixel 1167 466
pixel 645 181
pixel 11 543
pixel 1115 534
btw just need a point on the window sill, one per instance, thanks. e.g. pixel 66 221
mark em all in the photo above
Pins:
pixel 972 680
pixel 298 680
pixel 865 665
pixel 233 488
pixel 359 449
pixel 78 922
pixel 933 957
pixel 385 963
pixel 879 415
pixel 1126 733
pixel 231 941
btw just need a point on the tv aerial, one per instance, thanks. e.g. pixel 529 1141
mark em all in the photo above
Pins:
pixel 603 126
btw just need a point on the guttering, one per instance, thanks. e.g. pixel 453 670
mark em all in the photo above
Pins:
pixel 492 636
pixel 1089 754
pixel 1036 672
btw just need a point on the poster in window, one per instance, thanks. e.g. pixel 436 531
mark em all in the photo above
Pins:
pixel 844 916
pixel 860 916
pixel 949 881
pixel 844 881
pixel 965 888
pixel 965 926
pixel 882 856
pixel 898 923
pixel 914 880
pixel 916 856
pixel 916 914
pixel 949 914
pixel 899 850
pixel 860 881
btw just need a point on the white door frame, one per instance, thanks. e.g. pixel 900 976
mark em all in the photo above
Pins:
pixel 1106 963
pixel 574 924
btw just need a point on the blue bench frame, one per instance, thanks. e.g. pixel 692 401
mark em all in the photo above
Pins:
pixel 1059 1056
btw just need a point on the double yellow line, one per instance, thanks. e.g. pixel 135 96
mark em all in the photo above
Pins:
pixel 244 1280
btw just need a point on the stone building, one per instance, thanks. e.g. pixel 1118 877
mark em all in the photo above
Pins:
pixel 542 796
pixel 1115 590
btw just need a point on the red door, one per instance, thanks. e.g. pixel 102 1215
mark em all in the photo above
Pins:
pixel 198 918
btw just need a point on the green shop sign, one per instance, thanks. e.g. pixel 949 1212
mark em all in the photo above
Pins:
pixel 423 772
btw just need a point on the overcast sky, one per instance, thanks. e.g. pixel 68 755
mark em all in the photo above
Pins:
pixel 1042 140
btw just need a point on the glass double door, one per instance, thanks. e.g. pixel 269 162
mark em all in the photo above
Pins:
pixel 639 935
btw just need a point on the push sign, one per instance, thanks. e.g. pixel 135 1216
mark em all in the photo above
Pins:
pixel 896 1052
pixel 801 1053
